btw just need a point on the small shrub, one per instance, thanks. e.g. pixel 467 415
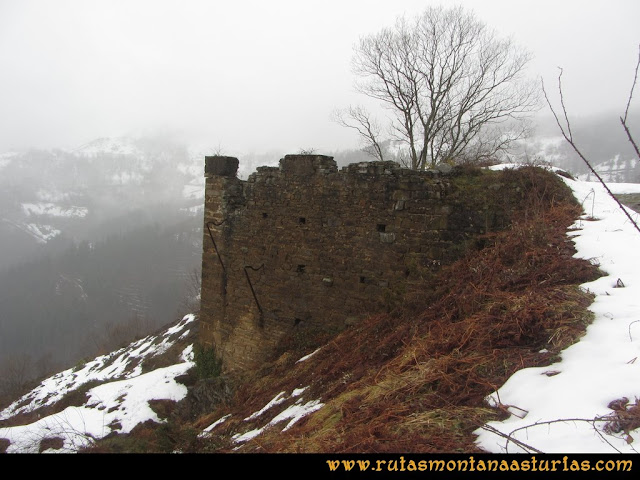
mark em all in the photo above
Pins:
pixel 307 151
pixel 162 408
pixel 207 363
pixel 54 443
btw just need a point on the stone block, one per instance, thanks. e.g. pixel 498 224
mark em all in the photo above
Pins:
pixel 307 165
pixel 387 237
pixel 221 166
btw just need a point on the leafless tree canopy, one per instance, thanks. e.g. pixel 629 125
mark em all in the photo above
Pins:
pixel 449 83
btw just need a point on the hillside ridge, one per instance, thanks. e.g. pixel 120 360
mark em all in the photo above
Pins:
pixel 414 379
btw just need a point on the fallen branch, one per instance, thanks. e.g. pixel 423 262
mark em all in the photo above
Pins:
pixel 529 449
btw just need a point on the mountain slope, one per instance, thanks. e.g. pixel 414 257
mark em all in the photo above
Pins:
pixel 70 194
pixel 107 237
pixel 110 394
pixel 516 311
pixel 416 380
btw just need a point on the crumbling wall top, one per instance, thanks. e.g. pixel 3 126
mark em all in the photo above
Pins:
pixel 306 165
pixel 373 168
pixel 219 165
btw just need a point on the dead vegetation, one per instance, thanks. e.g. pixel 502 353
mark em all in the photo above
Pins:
pixel 624 419
pixel 415 380
pixel 52 443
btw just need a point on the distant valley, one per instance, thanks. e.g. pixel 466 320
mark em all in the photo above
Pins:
pixel 97 244
pixel 102 243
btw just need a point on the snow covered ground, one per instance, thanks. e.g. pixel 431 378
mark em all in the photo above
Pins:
pixel 293 413
pixel 563 408
pixel 122 402
pixel 118 405
pixel 41 233
pixel 114 146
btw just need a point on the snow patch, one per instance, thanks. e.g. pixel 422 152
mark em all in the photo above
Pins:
pixel 293 413
pixel 122 363
pixel 112 407
pixel 126 178
pixel 296 412
pixel 193 192
pixel 112 146
pixel 53 210
pixel 278 399
pixel 42 233
pixel 307 357
pixel 555 413
pixel 208 430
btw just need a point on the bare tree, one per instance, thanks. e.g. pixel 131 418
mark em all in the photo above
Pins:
pixel 450 84
pixel 15 372
pixel 190 302
pixel 367 127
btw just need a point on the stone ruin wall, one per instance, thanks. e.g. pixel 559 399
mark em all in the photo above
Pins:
pixel 304 245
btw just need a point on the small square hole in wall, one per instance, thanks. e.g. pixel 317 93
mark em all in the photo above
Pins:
pixel 302 220
pixel 362 279
pixel 300 269
pixel 381 227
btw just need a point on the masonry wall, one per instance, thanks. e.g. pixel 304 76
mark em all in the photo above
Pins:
pixel 304 245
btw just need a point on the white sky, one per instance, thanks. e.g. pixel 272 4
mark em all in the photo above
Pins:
pixel 257 75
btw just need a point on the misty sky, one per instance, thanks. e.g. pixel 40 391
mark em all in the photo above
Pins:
pixel 245 76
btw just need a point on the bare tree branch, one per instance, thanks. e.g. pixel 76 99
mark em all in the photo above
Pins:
pixel 626 112
pixel 607 420
pixel 635 79
pixel 569 138
pixel 360 120
pixel 527 448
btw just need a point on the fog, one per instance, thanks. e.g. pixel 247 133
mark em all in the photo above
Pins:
pixel 107 108
pixel 248 76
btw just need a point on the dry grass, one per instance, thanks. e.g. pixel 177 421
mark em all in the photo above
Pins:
pixel 54 443
pixel 415 380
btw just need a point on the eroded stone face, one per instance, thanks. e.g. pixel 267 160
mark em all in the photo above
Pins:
pixel 305 246
pixel 222 166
